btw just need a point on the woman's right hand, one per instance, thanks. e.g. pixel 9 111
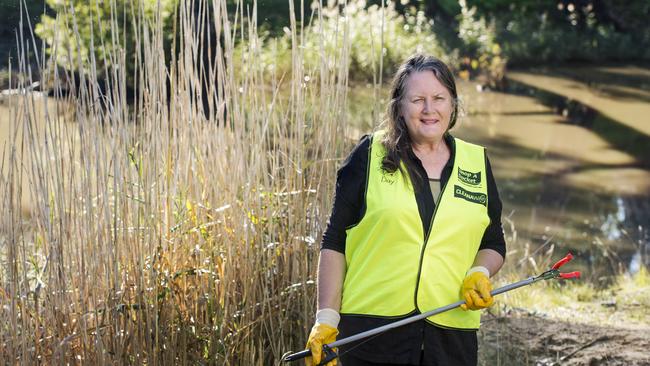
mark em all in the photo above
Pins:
pixel 321 334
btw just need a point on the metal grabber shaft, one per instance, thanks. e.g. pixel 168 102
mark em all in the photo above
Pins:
pixel 552 273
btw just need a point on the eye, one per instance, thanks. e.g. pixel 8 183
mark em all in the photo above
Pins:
pixel 418 100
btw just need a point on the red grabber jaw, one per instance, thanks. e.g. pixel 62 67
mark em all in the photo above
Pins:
pixel 562 262
pixel 566 276
pixel 554 272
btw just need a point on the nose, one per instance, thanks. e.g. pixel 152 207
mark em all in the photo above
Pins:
pixel 428 105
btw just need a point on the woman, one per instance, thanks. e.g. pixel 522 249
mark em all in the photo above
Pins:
pixel 415 225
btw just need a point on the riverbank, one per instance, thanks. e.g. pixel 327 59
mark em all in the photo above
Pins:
pixel 522 338
pixel 570 323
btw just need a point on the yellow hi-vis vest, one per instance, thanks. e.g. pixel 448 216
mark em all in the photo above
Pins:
pixel 392 268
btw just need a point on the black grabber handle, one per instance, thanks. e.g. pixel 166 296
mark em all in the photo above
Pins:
pixel 297 355
pixel 328 355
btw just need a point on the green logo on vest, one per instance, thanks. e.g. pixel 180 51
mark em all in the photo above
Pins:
pixel 474 197
pixel 469 177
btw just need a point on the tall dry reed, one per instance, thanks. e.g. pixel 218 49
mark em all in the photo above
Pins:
pixel 159 228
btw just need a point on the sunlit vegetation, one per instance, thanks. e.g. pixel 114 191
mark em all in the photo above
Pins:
pixel 621 304
pixel 380 38
pixel 166 228
pixel 165 193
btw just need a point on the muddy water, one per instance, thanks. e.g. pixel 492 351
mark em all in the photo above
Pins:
pixel 570 149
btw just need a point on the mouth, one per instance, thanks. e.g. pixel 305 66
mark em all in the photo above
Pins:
pixel 429 121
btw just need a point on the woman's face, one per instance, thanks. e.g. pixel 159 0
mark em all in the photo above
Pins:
pixel 426 107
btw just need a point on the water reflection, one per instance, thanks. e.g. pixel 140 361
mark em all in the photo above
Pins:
pixel 629 137
pixel 570 148
pixel 569 174
pixel 611 225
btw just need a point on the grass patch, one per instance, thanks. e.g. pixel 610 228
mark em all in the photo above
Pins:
pixel 622 304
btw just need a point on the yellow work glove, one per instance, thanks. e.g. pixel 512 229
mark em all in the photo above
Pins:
pixel 322 333
pixel 476 289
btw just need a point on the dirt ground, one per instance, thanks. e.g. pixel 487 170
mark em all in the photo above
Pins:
pixel 521 338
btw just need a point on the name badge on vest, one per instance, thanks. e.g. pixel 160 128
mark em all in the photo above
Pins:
pixel 387 177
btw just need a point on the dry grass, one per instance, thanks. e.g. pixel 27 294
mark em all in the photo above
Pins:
pixel 622 304
pixel 160 232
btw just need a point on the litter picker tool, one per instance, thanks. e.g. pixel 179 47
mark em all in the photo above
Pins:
pixel 328 350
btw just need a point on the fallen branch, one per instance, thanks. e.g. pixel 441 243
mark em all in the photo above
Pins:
pixel 586 345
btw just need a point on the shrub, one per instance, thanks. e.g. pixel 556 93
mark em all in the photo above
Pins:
pixel 561 31
pixel 362 25
pixel 480 50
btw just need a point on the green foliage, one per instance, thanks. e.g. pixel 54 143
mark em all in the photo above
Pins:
pixel 560 31
pixel 542 31
pixel 477 38
pixel 537 39
pixel 403 35
pixel 84 30
pixel 480 50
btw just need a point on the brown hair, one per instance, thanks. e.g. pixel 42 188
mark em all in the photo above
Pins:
pixel 397 140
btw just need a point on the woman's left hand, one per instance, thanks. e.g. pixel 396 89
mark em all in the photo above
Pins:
pixel 476 290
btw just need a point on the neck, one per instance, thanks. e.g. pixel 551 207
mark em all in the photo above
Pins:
pixel 425 147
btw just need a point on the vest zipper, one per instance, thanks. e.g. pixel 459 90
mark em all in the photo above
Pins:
pixel 424 246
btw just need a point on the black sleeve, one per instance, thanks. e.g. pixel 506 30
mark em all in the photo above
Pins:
pixel 349 203
pixel 493 235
